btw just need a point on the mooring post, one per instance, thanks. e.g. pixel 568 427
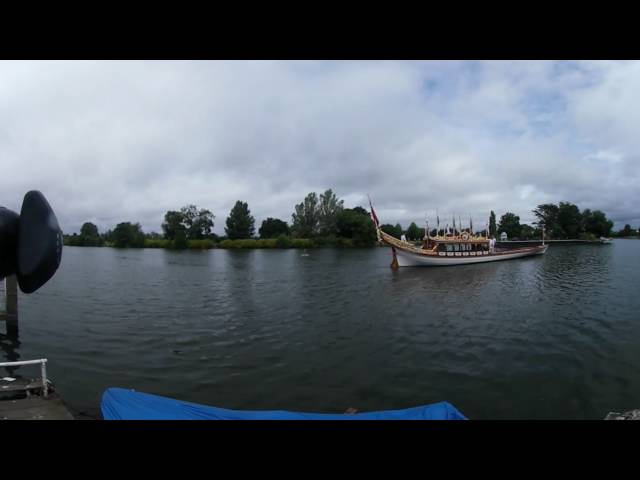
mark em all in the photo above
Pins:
pixel 11 305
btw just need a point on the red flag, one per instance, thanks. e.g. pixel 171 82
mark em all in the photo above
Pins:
pixel 374 217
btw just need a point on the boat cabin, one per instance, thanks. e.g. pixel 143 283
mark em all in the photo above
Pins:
pixel 464 245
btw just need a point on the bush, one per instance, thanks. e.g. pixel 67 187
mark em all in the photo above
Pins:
pixel 156 243
pixel 302 243
pixel 326 241
pixel 588 236
pixel 346 242
pixel 283 241
pixel 180 242
pixel 249 243
pixel 203 244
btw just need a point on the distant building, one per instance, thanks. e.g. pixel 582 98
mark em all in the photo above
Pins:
pixel 503 237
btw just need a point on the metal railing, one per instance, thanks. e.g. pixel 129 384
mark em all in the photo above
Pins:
pixel 43 369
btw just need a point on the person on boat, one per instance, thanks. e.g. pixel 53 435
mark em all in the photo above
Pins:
pixel 403 237
pixel 492 244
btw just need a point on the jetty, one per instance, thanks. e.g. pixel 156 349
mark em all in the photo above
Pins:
pixel 30 398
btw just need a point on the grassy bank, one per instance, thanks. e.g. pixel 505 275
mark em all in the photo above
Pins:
pixel 204 244
pixel 249 243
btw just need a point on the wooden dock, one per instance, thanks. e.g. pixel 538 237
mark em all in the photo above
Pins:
pixel 30 398
pixel 35 408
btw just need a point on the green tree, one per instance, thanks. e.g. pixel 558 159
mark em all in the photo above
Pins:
pixel 626 231
pixel 305 220
pixel 510 224
pixel 198 223
pixel 357 226
pixel 89 236
pixel 203 224
pixel 492 223
pixel 107 237
pixel 388 229
pixel 273 228
pixel 173 223
pixel 413 232
pixel 72 240
pixel 180 240
pixel 394 231
pixel 569 220
pixel 527 232
pixel 88 229
pixel 128 235
pixel 189 216
pixel 240 222
pixel 547 215
pixel 328 210
pixel 596 223
pixel 361 210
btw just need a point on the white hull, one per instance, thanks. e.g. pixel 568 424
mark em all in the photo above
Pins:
pixel 407 259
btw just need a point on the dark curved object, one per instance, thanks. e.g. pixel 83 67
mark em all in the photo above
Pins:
pixel 8 242
pixel 39 242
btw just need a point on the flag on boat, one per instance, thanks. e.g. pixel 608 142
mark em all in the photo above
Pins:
pixel 374 217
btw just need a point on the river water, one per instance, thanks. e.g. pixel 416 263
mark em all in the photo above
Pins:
pixel 546 337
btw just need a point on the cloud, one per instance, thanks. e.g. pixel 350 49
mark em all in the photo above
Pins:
pixel 115 141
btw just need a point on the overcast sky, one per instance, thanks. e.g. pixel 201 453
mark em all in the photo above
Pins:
pixel 113 141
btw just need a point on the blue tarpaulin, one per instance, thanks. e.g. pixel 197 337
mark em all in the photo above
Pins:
pixel 121 404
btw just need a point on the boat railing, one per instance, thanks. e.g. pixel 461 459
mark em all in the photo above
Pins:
pixel 43 369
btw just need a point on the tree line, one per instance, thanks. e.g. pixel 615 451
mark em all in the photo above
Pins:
pixel 323 220
pixel 318 220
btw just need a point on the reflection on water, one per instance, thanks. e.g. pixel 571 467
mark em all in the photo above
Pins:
pixel 542 337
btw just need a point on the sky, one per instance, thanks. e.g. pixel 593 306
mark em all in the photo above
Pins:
pixel 114 141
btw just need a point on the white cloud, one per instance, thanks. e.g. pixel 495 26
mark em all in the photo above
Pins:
pixel 118 141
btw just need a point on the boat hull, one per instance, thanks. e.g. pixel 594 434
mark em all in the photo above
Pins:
pixel 408 259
